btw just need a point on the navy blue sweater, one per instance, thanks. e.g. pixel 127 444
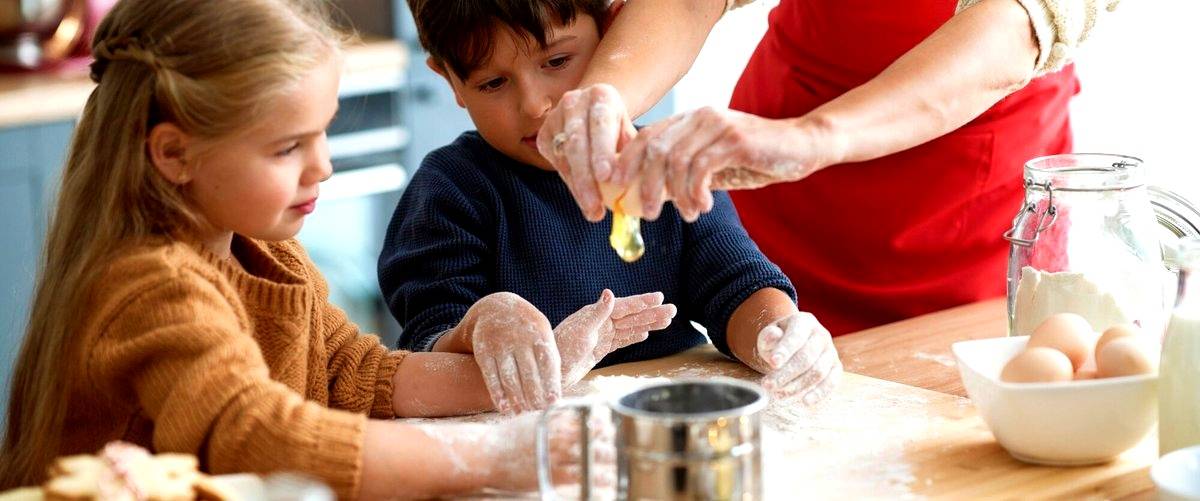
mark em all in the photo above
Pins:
pixel 473 222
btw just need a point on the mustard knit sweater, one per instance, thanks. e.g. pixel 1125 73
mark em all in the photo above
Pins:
pixel 248 367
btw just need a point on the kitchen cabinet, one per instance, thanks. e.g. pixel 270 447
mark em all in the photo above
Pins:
pixel 30 159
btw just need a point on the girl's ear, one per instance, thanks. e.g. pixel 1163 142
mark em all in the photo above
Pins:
pixel 441 70
pixel 168 148
pixel 614 8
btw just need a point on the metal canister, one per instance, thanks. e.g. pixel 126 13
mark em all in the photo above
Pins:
pixel 689 439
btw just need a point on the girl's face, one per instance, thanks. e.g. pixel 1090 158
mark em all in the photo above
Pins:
pixel 262 182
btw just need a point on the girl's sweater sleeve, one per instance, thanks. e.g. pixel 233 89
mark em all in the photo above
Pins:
pixel 180 347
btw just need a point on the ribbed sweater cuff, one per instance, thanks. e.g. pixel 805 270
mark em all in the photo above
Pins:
pixel 382 407
pixel 335 451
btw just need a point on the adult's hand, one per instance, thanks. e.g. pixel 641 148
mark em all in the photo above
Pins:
pixel 684 157
pixel 581 136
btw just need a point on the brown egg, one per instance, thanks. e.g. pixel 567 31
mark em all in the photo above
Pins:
pixel 1126 356
pixel 1037 365
pixel 1085 375
pixel 1066 332
pixel 1116 332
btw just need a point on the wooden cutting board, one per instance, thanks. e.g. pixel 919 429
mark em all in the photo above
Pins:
pixel 878 439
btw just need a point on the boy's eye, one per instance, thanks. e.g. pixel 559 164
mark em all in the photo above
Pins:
pixel 492 84
pixel 558 62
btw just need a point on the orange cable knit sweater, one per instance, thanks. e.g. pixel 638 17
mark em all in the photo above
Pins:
pixel 249 368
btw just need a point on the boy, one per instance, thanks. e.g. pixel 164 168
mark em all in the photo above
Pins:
pixel 487 213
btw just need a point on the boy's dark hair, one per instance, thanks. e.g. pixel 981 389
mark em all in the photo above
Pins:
pixel 459 33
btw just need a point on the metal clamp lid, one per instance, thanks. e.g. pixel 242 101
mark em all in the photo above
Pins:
pixel 1029 208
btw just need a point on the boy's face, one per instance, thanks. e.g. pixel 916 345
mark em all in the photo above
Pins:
pixel 510 94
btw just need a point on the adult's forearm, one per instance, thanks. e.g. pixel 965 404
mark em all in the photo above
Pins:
pixel 650 46
pixel 978 57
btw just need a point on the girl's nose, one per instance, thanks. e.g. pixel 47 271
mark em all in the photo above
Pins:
pixel 320 166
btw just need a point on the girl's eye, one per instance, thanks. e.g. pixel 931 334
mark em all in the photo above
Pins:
pixel 491 85
pixel 558 62
pixel 287 151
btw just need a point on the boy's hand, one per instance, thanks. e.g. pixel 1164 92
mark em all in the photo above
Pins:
pixel 798 357
pixel 588 335
pixel 516 353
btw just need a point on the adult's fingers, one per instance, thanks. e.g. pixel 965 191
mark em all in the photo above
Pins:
pixel 604 129
pixel 576 151
pixel 551 127
pixel 682 141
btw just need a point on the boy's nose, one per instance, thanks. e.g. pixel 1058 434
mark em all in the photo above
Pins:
pixel 535 103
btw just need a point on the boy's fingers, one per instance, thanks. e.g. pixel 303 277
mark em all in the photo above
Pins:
pixel 491 379
pixel 795 336
pixel 648 317
pixel 629 305
pixel 550 366
pixel 510 381
pixel 768 339
pixel 531 379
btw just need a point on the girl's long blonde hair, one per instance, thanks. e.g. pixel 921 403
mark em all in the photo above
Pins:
pixel 209 66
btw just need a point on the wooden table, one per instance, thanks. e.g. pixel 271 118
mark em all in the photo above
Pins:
pixel 899 425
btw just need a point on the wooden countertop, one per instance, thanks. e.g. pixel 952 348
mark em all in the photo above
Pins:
pixel 899 425
pixel 32 98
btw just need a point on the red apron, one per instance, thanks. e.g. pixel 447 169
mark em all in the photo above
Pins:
pixel 918 231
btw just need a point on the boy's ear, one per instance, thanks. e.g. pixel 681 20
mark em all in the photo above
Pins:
pixel 168 147
pixel 614 8
pixel 441 70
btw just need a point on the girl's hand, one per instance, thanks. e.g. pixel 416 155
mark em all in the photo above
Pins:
pixel 516 353
pixel 581 137
pixel 683 157
pixel 588 335
pixel 798 358
pixel 514 461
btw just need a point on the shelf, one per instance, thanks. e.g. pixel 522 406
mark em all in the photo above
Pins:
pixel 33 98
pixel 367 142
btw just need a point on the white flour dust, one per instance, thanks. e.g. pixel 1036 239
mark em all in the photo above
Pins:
pixel 939 358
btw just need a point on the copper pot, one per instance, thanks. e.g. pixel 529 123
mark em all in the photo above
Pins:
pixel 38 33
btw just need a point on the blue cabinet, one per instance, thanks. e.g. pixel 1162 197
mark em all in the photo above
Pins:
pixel 30 160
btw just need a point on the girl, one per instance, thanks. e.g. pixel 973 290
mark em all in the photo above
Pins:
pixel 174 311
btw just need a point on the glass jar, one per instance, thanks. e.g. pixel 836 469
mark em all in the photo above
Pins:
pixel 1089 239
pixel 1179 372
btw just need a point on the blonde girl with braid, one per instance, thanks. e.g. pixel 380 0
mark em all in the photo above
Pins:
pixel 175 311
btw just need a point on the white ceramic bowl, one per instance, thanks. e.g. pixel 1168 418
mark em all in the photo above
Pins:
pixel 1177 475
pixel 1067 423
